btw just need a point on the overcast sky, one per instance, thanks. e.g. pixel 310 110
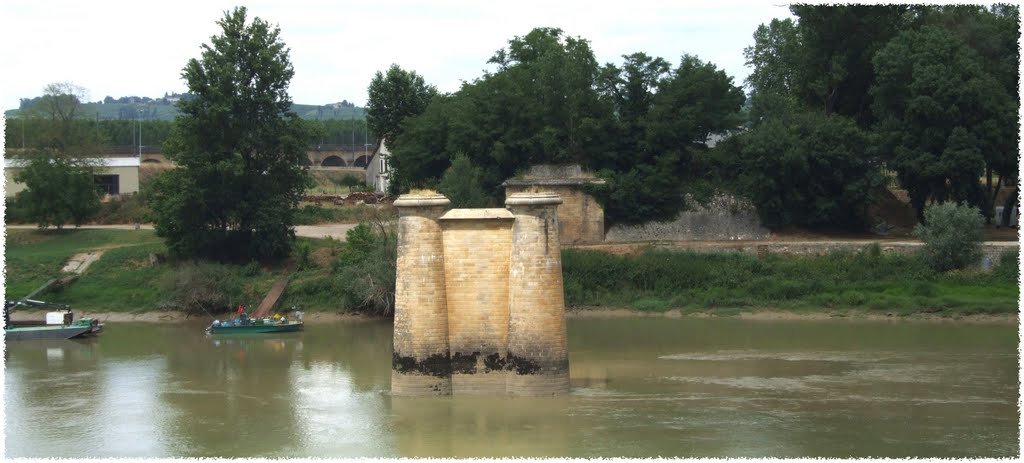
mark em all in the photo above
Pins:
pixel 122 48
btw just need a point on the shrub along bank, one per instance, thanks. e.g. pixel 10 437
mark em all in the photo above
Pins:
pixel 354 276
pixel 728 282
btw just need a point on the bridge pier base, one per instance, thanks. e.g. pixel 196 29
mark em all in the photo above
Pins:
pixel 421 363
pixel 538 352
pixel 479 303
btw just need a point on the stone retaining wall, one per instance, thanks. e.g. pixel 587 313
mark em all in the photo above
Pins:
pixel 724 218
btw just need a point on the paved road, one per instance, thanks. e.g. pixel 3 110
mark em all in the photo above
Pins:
pixel 336 231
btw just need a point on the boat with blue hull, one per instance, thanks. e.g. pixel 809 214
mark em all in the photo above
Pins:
pixel 244 325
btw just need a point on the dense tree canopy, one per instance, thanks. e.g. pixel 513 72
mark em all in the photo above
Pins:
pixel 238 148
pixel 808 169
pixel 939 114
pixel 540 106
pixel 934 86
pixel 641 126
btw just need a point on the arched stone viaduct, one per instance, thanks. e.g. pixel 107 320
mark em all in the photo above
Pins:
pixel 317 155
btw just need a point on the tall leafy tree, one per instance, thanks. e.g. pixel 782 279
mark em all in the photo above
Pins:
pixel 665 163
pixel 776 57
pixel 539 106
pixel 238 148
pixel 553 112
pixel 641 125
pixel 837 45
pixel 938 113
pixel 393 97
pixel 993 33
pixel 630 89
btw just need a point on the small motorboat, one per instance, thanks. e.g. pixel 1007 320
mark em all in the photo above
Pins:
pixel 244 324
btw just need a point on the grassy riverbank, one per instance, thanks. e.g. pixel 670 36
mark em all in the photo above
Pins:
pixel 127 280
pixel 726 283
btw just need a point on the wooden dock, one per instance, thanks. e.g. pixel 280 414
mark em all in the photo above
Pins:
pixel 272 297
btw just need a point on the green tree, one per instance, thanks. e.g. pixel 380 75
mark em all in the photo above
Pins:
pixel 837 45
pixel 938 113
pixel 643 126
pixel 823 60
pixel 810 170
pixel 775 57
pixel 462 184
pixel 365 267
pixel 393 97
pixel 630 89
pixel 539 106
pixel 666 162
pixel 58 190
pixel 952 235
pixel 238 148
pixel 58 177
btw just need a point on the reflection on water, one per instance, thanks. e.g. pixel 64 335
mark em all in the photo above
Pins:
pixel 641 388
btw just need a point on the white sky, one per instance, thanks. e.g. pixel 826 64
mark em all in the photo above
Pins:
pixel 134 47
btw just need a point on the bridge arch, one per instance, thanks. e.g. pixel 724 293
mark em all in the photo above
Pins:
pixel 333 161
pixel 361 161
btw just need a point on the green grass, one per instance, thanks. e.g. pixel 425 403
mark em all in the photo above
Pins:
pixel 657 281
pixel 35 256
pixel 730 282
pixel 122 280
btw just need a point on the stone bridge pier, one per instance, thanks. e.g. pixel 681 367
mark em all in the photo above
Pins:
pixel 479 303
pixel 421 364
pixel 538 352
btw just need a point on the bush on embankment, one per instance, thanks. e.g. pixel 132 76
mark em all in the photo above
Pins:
pixel 890 283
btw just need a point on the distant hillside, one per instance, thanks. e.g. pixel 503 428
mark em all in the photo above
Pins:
pixel 162 111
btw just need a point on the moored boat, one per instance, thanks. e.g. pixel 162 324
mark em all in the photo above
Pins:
pixel 244 324
pixel 58 325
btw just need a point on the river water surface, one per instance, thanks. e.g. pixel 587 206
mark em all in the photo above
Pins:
pixel 641 387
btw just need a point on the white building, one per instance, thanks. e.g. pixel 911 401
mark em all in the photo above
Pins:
pixel 114 176
pixel 377 170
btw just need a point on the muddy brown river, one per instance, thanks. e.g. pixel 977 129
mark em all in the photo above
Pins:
pixel 643 387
